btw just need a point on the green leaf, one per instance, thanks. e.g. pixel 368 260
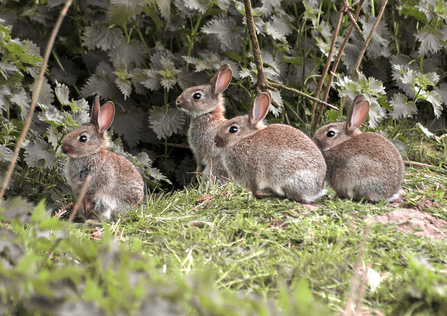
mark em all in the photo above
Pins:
pixel 37 151
pixel 129 125
pixel 103 37
pixel 133 53
pixel 165 8
pixel 166 122
pixel 122 12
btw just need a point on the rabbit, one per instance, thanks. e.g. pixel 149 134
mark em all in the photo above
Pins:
pixel 115 184
pixel 360 165
pixel 205 104
pixel 273 160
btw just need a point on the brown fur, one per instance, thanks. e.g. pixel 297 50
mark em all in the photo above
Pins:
pixel 207 114
pixel 275 160
pixel 360 165
pixel 115 184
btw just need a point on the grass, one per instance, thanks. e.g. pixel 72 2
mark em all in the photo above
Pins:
pixel 256 246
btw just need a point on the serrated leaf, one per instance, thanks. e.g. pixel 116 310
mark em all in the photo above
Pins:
pixel 38 150
pixel 103 37
pixel 5 153
pixel 153 79
pixel 46 95
pixel 197 5
pixel 51 115
pixel 431 40
pixel 53 136
pixel 137 78
pixel 228 32
pixel 379 45
pixel 62 92
pixel 168 73
pixel 20 98
pixel 280 26
pixel 133 53
pixel 122 12
pixel 101 83
pixel 8 68
pixel 278 99
pixel 165 8
pixel 435 99
pixel 165 123
pixel 402 107
pixel 125 87
pixel 129 125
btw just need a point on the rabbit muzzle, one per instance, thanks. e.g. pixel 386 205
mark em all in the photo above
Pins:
pixel 180 103
pixel 219 141
pixel 68 149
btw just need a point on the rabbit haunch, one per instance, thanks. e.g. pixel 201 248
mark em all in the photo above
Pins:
pixel 269 160
pixel 360 165
pixel 205 104
pixel 115 183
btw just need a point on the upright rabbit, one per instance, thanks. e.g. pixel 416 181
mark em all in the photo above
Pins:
pixel 360 165
pixel 269 160
pixel 205 104
pixel 115 184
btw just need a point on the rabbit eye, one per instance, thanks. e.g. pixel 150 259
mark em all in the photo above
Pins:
pixel 196 96
pixel 330 134
pixel 83 139
pixel 233 129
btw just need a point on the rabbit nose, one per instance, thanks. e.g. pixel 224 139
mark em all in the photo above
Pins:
pixel 218 141
pixel 178 102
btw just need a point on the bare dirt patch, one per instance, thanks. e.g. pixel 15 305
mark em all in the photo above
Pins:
pixel 409 220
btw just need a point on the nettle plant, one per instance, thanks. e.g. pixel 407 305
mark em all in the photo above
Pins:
pixel 142 54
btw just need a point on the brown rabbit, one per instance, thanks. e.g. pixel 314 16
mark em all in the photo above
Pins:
pixel 115 184
pixel 269 160
pixel 205 104
pixel 360 165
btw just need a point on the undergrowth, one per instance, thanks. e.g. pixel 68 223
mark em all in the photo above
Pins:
pixel 210 250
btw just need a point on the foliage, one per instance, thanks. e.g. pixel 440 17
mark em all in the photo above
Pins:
pixel 84 276
pixel 142 54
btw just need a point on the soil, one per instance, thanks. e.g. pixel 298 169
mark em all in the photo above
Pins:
pixel 415 221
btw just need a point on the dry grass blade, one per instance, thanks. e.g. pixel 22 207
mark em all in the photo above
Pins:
pixel 70 220
pixel 356 275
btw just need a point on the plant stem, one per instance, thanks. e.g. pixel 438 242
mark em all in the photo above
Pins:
pixel 335 65
pixel 35 97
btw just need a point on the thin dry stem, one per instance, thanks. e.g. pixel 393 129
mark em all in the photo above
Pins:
pixel 335 65
pixel 35 97
pixel 419 164
pixel 329 59
pixel 368 40
pixel 70 219
pixel 354 280
pixel 262 83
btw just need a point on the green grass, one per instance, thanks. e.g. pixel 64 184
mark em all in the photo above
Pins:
pixel 254 246
pixel 212 250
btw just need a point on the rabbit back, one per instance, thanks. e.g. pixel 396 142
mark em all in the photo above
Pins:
pixel 366 166
pixel 278 160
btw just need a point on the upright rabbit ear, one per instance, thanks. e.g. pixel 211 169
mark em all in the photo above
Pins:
pixel 106 114
pixel 357 115
pixel 222 79
pixel 260 108
pixel 102 116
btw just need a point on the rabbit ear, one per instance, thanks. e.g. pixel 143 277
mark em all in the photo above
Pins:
pixel 359 113
pixel 102 116
pixel 221 79
pixel 260 108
